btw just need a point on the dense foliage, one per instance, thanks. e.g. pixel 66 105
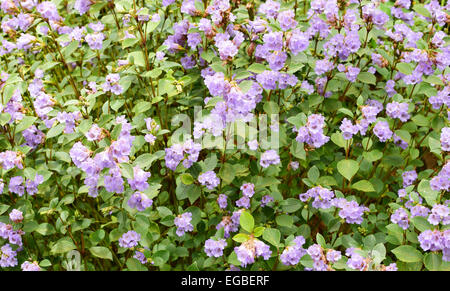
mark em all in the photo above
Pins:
pixel 224 134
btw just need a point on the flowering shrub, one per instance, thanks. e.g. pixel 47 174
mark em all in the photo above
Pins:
pixel 225 135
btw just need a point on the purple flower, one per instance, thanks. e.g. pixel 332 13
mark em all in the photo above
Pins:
pixel 269 157
pixel 348 129
pixel 209 179
pixel 266 199
pixel 408 178
pixel 251 249
pixel 398 110
pixel 114 181
pixel 401 218
pixel 32 185
pixel 129 239
pixel 445 139
pixel 112 84
pixel 95 40
pixel 286 20
pixel 292 254
pixel 82 6
pixel 16 216
pixel 139 181
pixel 16 185
pixel 382 131
pixel 183 223
pixel 248 189
pixel 30 266
pixel 214 248
pixel 439 213
pixel 323 66
pixel 227 49
pixel 10 159
pixel 140 201
pixel 222 201
pixel 8 256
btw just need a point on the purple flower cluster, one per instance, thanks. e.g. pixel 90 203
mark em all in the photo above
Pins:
pixel 322 197
pixel 439 214
pixel 214 248
pixel 140 201
pixel 209 179
pixel 408 178
pixel 187 152
pixel 248 189
pixel 316 252
pixel 435 240
pixel 350 210
pixel 442 180
pixel 183 223
pixel 11 159
pixel 348 129
pixel 445 139
pixel 230 223
pixel 222 201
pixel 251 249
pixel 382 131
pixel 30 266
pixel 130 239
pixel 269 157
pixel 356 261
pixel 400 217
pixel 16 216
pixel 8 257
pixel 112 84
pixel 7 232
pixel 312 133
pixel 265 200
pixel 293 253
pixel 398 110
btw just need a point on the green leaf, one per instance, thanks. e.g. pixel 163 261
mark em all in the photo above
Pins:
pixel 241 237
pixel 420 8
pixel 347 168
pixel 247 221
pixel 4 118
pixel 101 252
pixel 321 240
pixel 134 265
pixel 373 156
pixel 367 78
pixel 284 220
pixel 56 130
pixel 363 185
pixel 127 170
pixel 421 223
pixel 426 192
pixel 291 205
pixel 338 139
pixel 313 174
pixel 25 123
pixel 404 68
pixel 256 68
pixel 63 246
pixel 434 262
pixel 379 253
pixel 407 254
pixel 272 236
pixel 187 179
pixel 258 231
